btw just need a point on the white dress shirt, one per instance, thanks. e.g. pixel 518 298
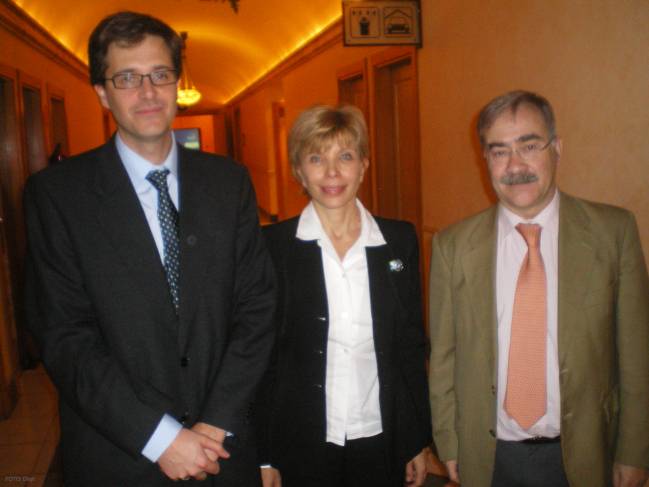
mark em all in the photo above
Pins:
pixel 511 249
pixel 137 169
pixel 352 384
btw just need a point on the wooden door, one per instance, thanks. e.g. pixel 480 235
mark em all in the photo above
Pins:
pixel 32 125
pixel 282 170
pixel 8 338
pixel 237 135
pixel 58 127
pixel 12 237
pixel 352 89
pixel 396 137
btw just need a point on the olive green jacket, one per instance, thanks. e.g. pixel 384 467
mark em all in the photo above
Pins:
pixel 603 341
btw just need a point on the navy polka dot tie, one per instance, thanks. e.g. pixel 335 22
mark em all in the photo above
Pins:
pixel 168 218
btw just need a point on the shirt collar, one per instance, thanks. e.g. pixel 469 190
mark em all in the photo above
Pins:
pixel 138 167
pixel 309 227
pixel 507 219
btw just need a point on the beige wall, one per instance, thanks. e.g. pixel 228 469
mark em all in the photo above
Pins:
pixel 316 80
pixel 589 58
pixel 311 81
pixel 257 148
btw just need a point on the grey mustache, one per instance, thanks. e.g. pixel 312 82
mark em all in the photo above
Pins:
pixel 524 178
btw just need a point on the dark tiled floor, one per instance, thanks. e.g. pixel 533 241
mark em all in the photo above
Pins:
pixel 28 439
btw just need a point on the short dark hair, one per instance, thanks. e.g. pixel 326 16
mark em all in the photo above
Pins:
pixel 128 29
pixel 511 102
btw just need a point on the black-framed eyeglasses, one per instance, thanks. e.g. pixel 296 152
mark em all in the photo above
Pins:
pixel 526 150
pixel 159 77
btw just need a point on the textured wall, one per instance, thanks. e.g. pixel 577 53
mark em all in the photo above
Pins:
pixel 589 58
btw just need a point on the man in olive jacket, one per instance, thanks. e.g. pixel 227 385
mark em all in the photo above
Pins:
pixel 594 426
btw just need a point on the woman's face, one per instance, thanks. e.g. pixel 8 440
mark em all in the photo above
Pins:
pixel 332 177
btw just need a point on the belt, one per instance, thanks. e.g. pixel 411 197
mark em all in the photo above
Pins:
pixel 536 440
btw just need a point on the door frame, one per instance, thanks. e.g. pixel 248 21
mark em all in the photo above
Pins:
pixel 381 60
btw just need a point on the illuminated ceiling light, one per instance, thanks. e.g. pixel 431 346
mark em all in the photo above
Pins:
pixel 188 95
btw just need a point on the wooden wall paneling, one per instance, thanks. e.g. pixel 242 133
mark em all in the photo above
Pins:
pixel 12 165
pixel 12 180
pixel 9 368
pixel 33 122
pixel 56 117
pixel 353 89
pixel 11 183
pixel 237 134
pixel 282 172
pixel 394 112
pixel 395 118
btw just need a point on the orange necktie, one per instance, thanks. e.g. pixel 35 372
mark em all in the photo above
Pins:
pixel 525 399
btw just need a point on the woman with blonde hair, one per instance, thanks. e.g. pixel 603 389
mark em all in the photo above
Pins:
pixel 345 402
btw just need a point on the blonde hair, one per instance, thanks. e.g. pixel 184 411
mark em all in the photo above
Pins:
pixel 316 128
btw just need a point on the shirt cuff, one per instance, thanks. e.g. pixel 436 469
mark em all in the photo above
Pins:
pixel 163 436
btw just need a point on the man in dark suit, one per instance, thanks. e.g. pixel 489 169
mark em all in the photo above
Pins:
pixel 539 324
pixel 152 290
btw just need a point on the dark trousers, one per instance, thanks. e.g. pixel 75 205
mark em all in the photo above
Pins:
pixel 521 464
pixel 360 463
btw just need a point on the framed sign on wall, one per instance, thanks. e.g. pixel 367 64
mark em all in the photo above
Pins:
pixel 381 22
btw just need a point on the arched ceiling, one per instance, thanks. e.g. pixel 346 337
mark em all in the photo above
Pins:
pixel 226 51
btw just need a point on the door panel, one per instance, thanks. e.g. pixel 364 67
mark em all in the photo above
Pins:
pixel 353 91
pixel 11 177
pixel 397 141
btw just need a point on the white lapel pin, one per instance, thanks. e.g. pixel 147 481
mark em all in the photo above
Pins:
pixel 396 265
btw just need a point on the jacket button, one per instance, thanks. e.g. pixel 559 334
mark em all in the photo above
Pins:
pixel 317 386
pixel 184 417
pixel 321 318
pixel 319 352
pixel 493 389
pixel 184 362
pixel 492 433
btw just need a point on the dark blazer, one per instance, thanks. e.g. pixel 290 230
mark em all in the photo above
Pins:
pixel 291 415
pixel 101 308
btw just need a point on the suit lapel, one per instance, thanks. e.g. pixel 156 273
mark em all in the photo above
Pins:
pixel 122 219
pixel 383 292
pixel 576 261
pixel 478 264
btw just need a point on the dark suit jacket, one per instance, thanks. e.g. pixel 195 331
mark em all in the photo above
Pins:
pixel 291 414
pixel 101 308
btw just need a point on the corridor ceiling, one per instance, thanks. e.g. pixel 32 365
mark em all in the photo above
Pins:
pixel 226 51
